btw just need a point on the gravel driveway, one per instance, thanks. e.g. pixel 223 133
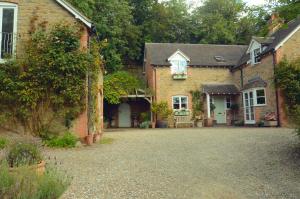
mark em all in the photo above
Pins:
pixel 225 163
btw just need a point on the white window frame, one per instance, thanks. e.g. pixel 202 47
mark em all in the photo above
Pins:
pixel 254 55
pixel 178 64
pixel 4 5
pixel 255 95
pixel 180 104
pixel 254 90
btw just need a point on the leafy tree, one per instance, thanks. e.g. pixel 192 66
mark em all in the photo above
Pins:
pixel 287 9
pixel 119 84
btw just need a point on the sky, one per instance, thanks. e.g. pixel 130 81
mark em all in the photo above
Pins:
pixel 249 2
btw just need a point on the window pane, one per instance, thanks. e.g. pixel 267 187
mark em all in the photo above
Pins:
pixel 176 100
pixel 8 20
pixel 7 32
pixel 261 100
pixel 260 93
pixel 176 106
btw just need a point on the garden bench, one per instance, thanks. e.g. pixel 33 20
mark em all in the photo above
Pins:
pixel 183 120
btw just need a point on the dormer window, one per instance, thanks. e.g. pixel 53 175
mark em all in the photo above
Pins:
pixel 179 67
pixel 179 63
pixel 255 59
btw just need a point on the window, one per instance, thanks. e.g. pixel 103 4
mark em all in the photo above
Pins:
pixel 8 24
pixel 254 55
pixel 179 67
pixel 257 97
pixel 228 102
pixel 180 102
pixel 260 97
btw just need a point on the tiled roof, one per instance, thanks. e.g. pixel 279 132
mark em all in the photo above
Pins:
pixel 220 89
pixel 255 83
pixel 199 54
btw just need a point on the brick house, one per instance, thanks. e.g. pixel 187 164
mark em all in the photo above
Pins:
pixel 225 74
pixel 16 21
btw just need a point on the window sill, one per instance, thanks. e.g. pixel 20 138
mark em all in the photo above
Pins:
pixel 259 105
pixel 185 112
pixel 179 76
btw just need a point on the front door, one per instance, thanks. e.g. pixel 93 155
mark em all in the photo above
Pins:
pixel 220 112
pixel 124 116
pixel 249 107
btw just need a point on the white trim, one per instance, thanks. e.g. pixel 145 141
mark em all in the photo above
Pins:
pixel 181 54
pixel 244 106
pixel 287 38
pixel 75 12
pixel 208 105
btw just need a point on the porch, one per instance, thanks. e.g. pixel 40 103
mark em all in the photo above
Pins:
pixel 220 104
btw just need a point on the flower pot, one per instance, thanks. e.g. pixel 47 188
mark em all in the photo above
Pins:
pixel 39 168
pixel 199 123
pixel 153 125
pixel 162 124
pixel 271 123
pixel 208 122
pixel 97 137
pixel 89 139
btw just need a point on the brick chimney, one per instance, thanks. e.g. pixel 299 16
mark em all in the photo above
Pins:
pixel 275 22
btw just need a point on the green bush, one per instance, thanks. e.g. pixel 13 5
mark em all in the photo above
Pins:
pixel 162 110
pixel 3 143
pixel 68 140
pixel 145 125
pixel 27 184
pixel 21 154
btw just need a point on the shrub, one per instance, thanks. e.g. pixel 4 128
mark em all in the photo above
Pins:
pixel 145 125
pixel 161 109
pixel 27 184
pixel 3 143
pixel 68 140
pixel 23 154
pixel 145 116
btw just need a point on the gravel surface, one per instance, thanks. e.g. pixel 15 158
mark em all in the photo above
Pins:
pixel 227 163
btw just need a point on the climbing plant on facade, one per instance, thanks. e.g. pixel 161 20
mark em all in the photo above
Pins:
pixel 49 82
pixel 288 79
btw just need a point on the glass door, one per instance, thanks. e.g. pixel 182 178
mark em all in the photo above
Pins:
pixel 249 107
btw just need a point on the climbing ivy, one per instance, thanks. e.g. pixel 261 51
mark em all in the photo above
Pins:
pixel 288 79
pixel 48 81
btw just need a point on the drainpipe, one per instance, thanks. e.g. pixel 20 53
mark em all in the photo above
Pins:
pixel 276 89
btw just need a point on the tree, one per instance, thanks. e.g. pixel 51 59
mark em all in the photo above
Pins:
pixel 287 9
pixel 119 84
pixel 226 22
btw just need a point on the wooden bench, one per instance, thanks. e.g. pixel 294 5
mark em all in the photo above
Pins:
pixel 183 120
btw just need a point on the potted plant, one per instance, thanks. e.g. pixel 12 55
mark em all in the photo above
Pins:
pixel 25 154
pixel 163 113
pixel 270 119
pixel 234 109
pixel 145 120
pixel 197 108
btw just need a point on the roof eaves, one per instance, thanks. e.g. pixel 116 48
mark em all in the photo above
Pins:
pixel 75 12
